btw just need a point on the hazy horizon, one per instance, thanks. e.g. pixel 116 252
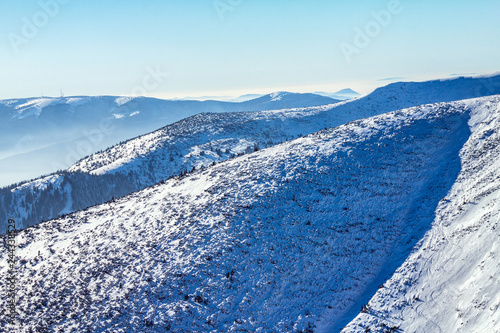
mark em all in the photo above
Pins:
pixel 178 49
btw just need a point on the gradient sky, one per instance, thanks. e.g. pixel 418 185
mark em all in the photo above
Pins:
pixel 106 47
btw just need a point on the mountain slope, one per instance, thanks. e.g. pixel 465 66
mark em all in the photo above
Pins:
pixel 203 139
pixel 56 132
pixel 450 282
pixel 390 98
pixel 284 239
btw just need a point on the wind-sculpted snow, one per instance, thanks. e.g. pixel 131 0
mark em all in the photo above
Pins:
pixel 288 238
pixel 450 283
pixel 207 138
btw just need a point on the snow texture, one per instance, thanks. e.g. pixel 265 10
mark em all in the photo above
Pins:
pixel 210 138
pixel 293 238
pixel 450 283
pixel 43 135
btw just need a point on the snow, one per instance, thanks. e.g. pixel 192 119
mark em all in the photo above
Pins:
pixel 34 107
pixel 43 130
pixel 42 183
pixel 302 120
pixel 206 138
pixel 76 101
pixel 450 281
pixel 123 100
pixel 277 96
pixel 8 102
pixel 294 237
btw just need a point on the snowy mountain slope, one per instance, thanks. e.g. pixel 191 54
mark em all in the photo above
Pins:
pixel 393 97
pixel 196 141
pixel 56 132
pixel 207 138
pixel 450 283
pixel 446 90
pixel 283 239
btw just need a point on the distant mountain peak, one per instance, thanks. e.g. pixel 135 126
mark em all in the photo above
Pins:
pixel 343 94
pixel 347 91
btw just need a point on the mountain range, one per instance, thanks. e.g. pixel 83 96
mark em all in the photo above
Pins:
pixel 43 135
pixel 377 214
pixel 382 224
pixel 343 94
pixel 204 139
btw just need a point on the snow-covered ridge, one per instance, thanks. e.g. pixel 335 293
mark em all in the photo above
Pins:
pixel 450 282
pixel 207 138
pixel 33 107
pixel 54 133
pixel 226 131
pixel 294 237
pixel 390 98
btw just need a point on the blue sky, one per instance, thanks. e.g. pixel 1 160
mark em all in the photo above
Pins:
pixel 184 48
